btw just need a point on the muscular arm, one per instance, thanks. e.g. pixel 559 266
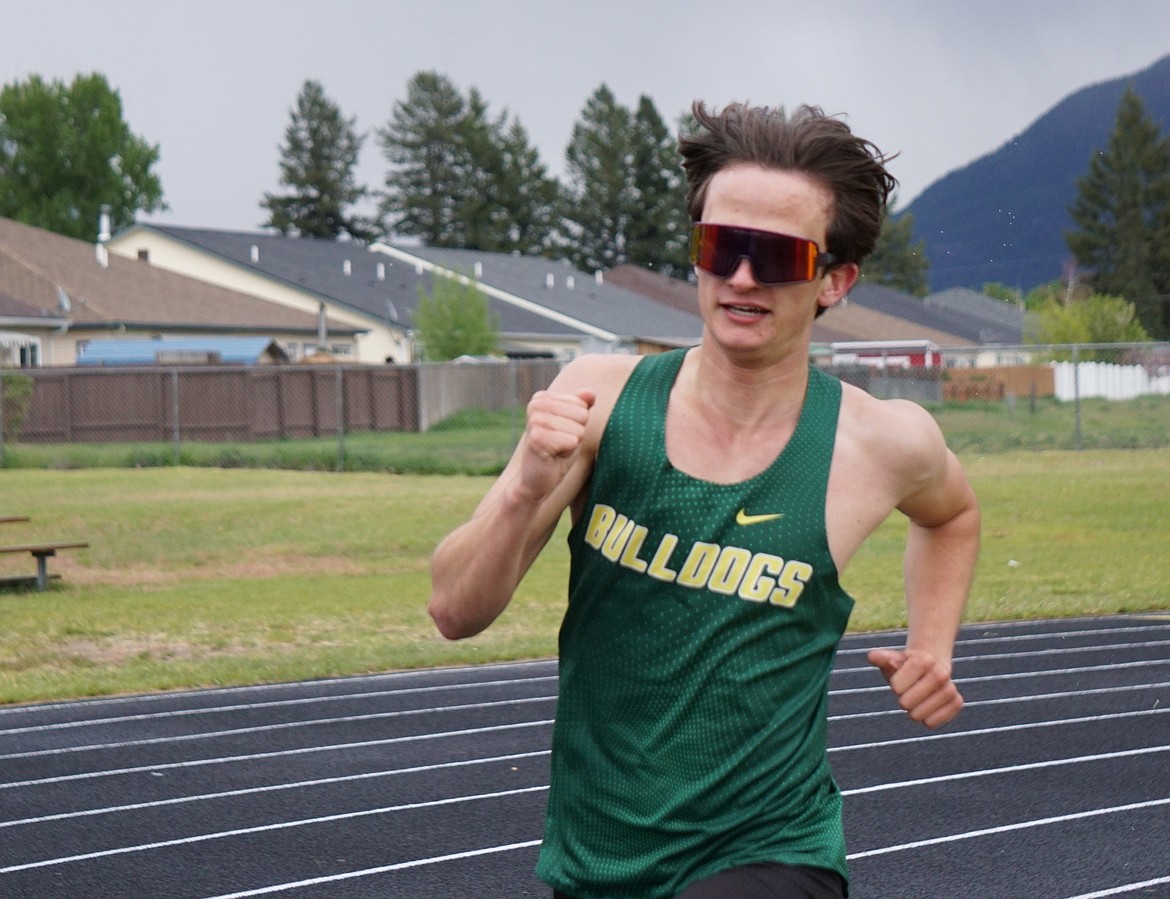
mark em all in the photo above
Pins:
pixel 939 563
pixel 477 567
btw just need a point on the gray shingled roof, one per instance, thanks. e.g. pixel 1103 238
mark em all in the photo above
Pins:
pixel 953 318
pixel 563 289
pixel 1003 322
pixel 388 294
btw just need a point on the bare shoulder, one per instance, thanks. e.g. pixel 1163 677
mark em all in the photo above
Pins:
pixel 603 374
pixel 899 437
pixel 598 372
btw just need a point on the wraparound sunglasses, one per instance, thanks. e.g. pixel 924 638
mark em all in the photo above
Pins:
pixel 774 258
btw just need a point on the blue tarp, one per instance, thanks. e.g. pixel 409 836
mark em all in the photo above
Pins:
pixel 180 350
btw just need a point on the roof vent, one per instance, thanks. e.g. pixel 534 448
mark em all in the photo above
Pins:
pixel 381 271
pixel 550 280
pixel 255 254
pixel 569 282
pixel 347 267
pixel 478 269
pixel 598 276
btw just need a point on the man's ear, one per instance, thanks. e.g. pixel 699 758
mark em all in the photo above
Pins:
pixel 838 281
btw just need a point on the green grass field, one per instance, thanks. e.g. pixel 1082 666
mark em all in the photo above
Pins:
pixel 207 576
pixel 478 442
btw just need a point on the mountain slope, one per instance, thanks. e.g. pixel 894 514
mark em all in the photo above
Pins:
pixel 1002 218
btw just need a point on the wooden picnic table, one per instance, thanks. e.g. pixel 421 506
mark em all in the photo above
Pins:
pixel 41 552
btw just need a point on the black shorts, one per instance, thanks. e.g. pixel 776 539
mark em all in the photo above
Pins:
pixel 767 880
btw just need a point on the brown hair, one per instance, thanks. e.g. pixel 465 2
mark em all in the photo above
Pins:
pixel 809 142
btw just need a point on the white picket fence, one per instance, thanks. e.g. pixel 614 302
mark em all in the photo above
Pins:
pixel 1106 380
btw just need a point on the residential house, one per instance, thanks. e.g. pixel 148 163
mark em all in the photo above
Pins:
pixel 542 307
pixel 953 319
pixel 58 293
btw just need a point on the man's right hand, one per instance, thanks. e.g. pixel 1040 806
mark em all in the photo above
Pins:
pixel 555 428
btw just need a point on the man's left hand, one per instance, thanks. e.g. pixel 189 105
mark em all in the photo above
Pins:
pixel 921 682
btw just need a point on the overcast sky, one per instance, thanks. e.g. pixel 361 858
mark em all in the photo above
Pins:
pixel 212 82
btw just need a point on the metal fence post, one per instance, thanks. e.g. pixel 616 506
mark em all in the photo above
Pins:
pixel 1076 360
pixel 514 400
pixel 175 437
pixel 339 381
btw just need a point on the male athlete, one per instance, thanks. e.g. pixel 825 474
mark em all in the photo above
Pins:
pixel 717 494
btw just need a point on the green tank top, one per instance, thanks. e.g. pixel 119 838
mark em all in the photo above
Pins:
pixel 694 662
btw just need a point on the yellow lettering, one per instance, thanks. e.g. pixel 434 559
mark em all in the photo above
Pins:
pixel 662 555
pixel 630 556
pixel 729 570
pixel 619 535
pixel 697 568
pixel 757 585
pixel 599 524
pixel 791 583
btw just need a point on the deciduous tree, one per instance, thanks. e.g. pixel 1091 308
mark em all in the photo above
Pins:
pixel 454 320
pixel 66 152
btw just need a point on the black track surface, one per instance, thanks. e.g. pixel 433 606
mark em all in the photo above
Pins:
pixel 1053 783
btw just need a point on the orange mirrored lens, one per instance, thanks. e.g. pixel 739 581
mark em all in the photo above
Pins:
pixel 774 258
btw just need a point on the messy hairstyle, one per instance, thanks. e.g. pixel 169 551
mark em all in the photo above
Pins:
pixel 807 141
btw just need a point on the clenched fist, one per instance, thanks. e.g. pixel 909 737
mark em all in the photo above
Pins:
pixel 552 436
pixel 922 684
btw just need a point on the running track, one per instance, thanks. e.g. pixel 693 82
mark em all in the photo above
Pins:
pixel 1054 783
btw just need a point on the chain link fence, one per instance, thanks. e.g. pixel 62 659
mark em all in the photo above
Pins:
pixel 178 405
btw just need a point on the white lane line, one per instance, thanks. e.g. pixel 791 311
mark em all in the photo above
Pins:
pixel 920 738
pixel 885 636
pixel 272 788
pixel 1016 675
pixel 1013 638
pixel 280 753
pixel 1126 888
pixel 1012 700
pixel 282 725
pixel 264 828
pixel 999 729
pixel 298 686
pixel 1007 769
pixel 270 704
pixel 383 869
pixel 286 725
pixel 1008 828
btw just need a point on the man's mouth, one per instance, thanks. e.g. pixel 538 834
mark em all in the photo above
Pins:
pixel 735 309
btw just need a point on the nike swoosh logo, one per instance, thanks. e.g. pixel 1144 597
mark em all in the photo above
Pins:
pixel 742 517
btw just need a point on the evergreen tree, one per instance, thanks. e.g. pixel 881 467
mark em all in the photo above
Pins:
pixel 463 177
pixel 65 152
pixel 423 142
pixel 898 260
pixel 600 193
pixel 624 201
pixel 454 320
pixel 527 192
pixel 659 225
pixel 1122 216
pixel 317 163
